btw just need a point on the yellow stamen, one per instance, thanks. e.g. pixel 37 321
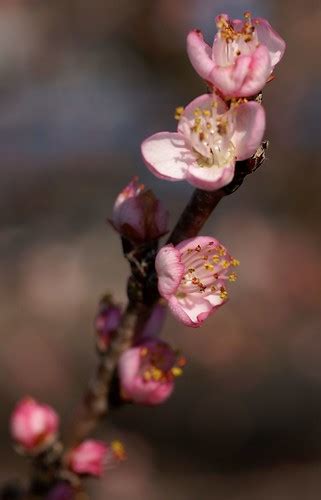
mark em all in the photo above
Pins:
pixel 119 451
pixel 176 371
pixel 178 112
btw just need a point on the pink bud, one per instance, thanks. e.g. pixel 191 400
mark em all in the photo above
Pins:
pixel 138 215
pixel 34 426
pixel 147 372
pixel 92 457
pixel 192 276
pixel 106 322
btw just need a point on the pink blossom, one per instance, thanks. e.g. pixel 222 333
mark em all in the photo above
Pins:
pixel 106 322
pixel 138 215
pixel 242 58
pixel 147 372
pixel 33 426
pixel 192 276
pixel 208 141
pixel 89 458
pixel 92 457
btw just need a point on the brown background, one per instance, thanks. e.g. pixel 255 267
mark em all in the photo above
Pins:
pixel 82 83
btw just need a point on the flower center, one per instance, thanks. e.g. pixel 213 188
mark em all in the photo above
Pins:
pixel 207 269
pixel 160 363
pixel 208 135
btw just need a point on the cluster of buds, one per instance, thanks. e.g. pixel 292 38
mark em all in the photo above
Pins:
pixel 35 427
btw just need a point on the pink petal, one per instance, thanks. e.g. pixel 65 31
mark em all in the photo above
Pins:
pixel 268 37
pixel 191 311
pixel 229 79
pixel 249 129
pixel 199 53
pixel 179 312
pixel 169 269
pixel 167 155
pixel 259 71
pixel 210 178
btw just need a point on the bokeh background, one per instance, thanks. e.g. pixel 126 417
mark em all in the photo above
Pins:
pixel 82 83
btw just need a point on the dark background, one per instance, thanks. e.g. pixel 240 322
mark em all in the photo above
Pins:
pixel 82 83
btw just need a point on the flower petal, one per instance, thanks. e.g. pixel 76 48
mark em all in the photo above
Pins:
pixel 167 155
pixel 169 269
pixel 192 310
pixel 199 53
pixel 259 72
pixel 210 178
pixel 249 129
pixel 268 37
pixel 229 79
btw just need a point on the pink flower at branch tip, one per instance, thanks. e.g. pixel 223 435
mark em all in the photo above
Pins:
pixel 192 277
pixel 92 457
pixel 147 372
pixel 34 426
pixel 138 215
pixel 242 58
pixel 209 140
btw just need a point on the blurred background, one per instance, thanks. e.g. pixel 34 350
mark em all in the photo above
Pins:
pixel 82 83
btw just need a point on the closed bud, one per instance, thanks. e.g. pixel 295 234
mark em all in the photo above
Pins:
pixel 138 215
pixel 34 426
pixel 106 322
pixel 92 457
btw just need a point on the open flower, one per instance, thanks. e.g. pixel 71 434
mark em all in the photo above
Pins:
pixel 242 58
pixel 208 141
pixel 147 372
pixel 33 426
pixel 138 215
pixel 192 276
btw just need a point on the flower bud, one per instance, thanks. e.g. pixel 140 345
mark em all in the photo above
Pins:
pixel 62 491
pixel 92 457
pixel 147 372
pixel 106 322
pixel 34 426
pixel 138 215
